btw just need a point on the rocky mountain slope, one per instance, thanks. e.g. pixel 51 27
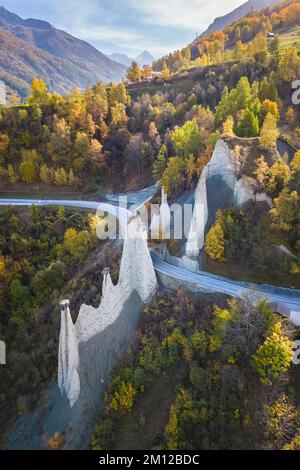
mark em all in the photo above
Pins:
pixel 31 48
pixel 122 58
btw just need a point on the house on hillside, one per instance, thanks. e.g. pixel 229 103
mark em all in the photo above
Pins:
pixel 154 76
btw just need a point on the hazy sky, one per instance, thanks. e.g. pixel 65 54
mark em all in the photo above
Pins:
pixel 127 26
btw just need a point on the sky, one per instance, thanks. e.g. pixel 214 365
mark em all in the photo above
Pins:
pixel 128 26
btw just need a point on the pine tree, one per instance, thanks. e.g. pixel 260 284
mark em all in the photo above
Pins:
pixel 248 125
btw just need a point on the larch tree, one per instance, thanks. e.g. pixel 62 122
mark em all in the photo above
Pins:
pixel 134 73
pixel 165 73
pixel 228 127
pixel 160 163
pixel 269 133
pixel 215 243
pixel 262 172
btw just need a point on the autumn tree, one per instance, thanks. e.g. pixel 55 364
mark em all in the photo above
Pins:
pixel 280 175
pixel 286 211
pixel 60 177
pixel 160 163
pixel 215 242
pixel 123 397
pixel 12 174
pixel 191 170
pixel 29 166
pixel 295 164
pixel 4 144
pixel 269 106
pixel 46 174
pixel 134 72
pixel 289 64
pixel 81 145
pixel 60 141
pixel 72 180
pixel 165 74
pixel 269 133
pixel 228 127
pixel 96 154
pixel 38 93
pixel 262 172
pixel 273 358
pixel 291 117
pixel 172 179
pixel 268 90
pixel 118 94
pixel 147 71
pixel 118 115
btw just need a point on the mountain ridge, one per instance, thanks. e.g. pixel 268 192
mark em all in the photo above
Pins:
pixel 144 58
pixel 219 23
pixel 75 61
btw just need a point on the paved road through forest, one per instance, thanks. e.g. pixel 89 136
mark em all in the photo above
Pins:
pixel 288 298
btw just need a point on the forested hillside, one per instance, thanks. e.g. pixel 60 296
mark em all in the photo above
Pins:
pixel 45 254
pixel 244 40
pixel 198 376
pixel 247 7
pixel 34 48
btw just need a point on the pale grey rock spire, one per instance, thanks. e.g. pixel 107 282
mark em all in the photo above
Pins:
pixel 226 169
pixel 165 215
pixel 68 356
pixel 137 275
pixel 161 222
pixel 195 241
pixel 107 285
pixel 136 270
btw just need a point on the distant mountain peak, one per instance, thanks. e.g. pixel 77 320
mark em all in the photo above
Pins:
pixel 123 59
pixel 39 49
pixel 144 58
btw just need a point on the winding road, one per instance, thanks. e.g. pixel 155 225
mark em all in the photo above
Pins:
pixel 287 300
